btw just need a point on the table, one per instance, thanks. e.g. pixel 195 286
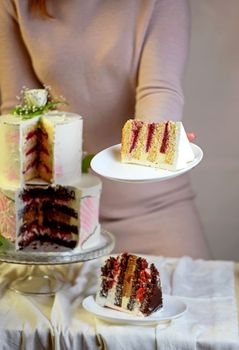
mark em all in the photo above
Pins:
pixel 209 288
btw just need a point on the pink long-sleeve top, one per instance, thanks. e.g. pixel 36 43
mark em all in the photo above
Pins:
pixel 112 60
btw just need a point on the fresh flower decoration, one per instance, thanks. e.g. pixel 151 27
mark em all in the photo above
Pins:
pixel 34 102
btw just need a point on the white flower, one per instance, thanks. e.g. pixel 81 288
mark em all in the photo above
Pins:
pixel 36 97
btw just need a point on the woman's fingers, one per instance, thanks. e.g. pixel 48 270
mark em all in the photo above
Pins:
pixel 191 136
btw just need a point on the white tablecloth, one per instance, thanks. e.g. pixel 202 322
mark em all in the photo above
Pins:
pixel 39 322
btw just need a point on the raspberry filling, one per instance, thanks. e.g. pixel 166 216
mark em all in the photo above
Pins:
pixel 151 128
pixel 135 135
pixel 164 145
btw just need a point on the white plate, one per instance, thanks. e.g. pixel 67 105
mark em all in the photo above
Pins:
pixel 172 308
pixel 107 163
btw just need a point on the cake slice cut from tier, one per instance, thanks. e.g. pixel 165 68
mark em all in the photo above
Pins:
pixel 45 147
pixel 129 283
pixel 161 145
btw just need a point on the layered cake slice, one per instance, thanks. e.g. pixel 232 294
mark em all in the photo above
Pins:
pixel 129 283
pixel 48 214
pixel 161 145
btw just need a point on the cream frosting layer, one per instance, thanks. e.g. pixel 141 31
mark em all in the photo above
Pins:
pixel 65 129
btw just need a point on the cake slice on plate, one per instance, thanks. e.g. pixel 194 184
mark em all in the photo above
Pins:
pixel 130 284
pixel 160 145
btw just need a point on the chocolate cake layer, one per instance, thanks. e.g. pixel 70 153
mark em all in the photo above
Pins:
pixel 152 294
pixel 48 192
pixel 28 228
pixel 52 208
pixel 28 212
pixel 121 278
pixel 46 238
pixel 107 273
pixel 60 226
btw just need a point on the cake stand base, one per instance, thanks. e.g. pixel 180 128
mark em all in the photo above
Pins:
pixel 37 285
pixel 38 280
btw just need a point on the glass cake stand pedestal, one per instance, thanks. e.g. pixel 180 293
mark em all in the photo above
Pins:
pixel 36 282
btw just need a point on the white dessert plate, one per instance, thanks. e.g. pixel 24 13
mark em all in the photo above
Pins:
pixel 172 308
pixel 107 163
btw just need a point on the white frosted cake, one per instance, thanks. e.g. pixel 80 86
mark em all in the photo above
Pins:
pixel 161 145
pixel 44 198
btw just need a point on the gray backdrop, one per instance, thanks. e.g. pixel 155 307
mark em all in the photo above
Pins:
pixel 212 111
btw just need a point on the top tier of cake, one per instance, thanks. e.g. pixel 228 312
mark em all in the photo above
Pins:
pixel 45 148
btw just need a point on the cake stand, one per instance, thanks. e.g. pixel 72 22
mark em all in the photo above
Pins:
pixel 34 282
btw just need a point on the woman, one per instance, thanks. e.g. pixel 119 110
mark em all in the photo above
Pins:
pixel 111 60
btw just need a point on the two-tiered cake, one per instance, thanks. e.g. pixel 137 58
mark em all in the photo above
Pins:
pixel 43 195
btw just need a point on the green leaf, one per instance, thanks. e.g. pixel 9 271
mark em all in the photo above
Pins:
pixel 1 240
pixel 86 163
pixel 35 111
pixel 4 243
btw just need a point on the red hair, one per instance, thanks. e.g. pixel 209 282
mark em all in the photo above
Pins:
pixel 39 8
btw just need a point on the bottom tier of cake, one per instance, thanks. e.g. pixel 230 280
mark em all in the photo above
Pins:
pixel 64 216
